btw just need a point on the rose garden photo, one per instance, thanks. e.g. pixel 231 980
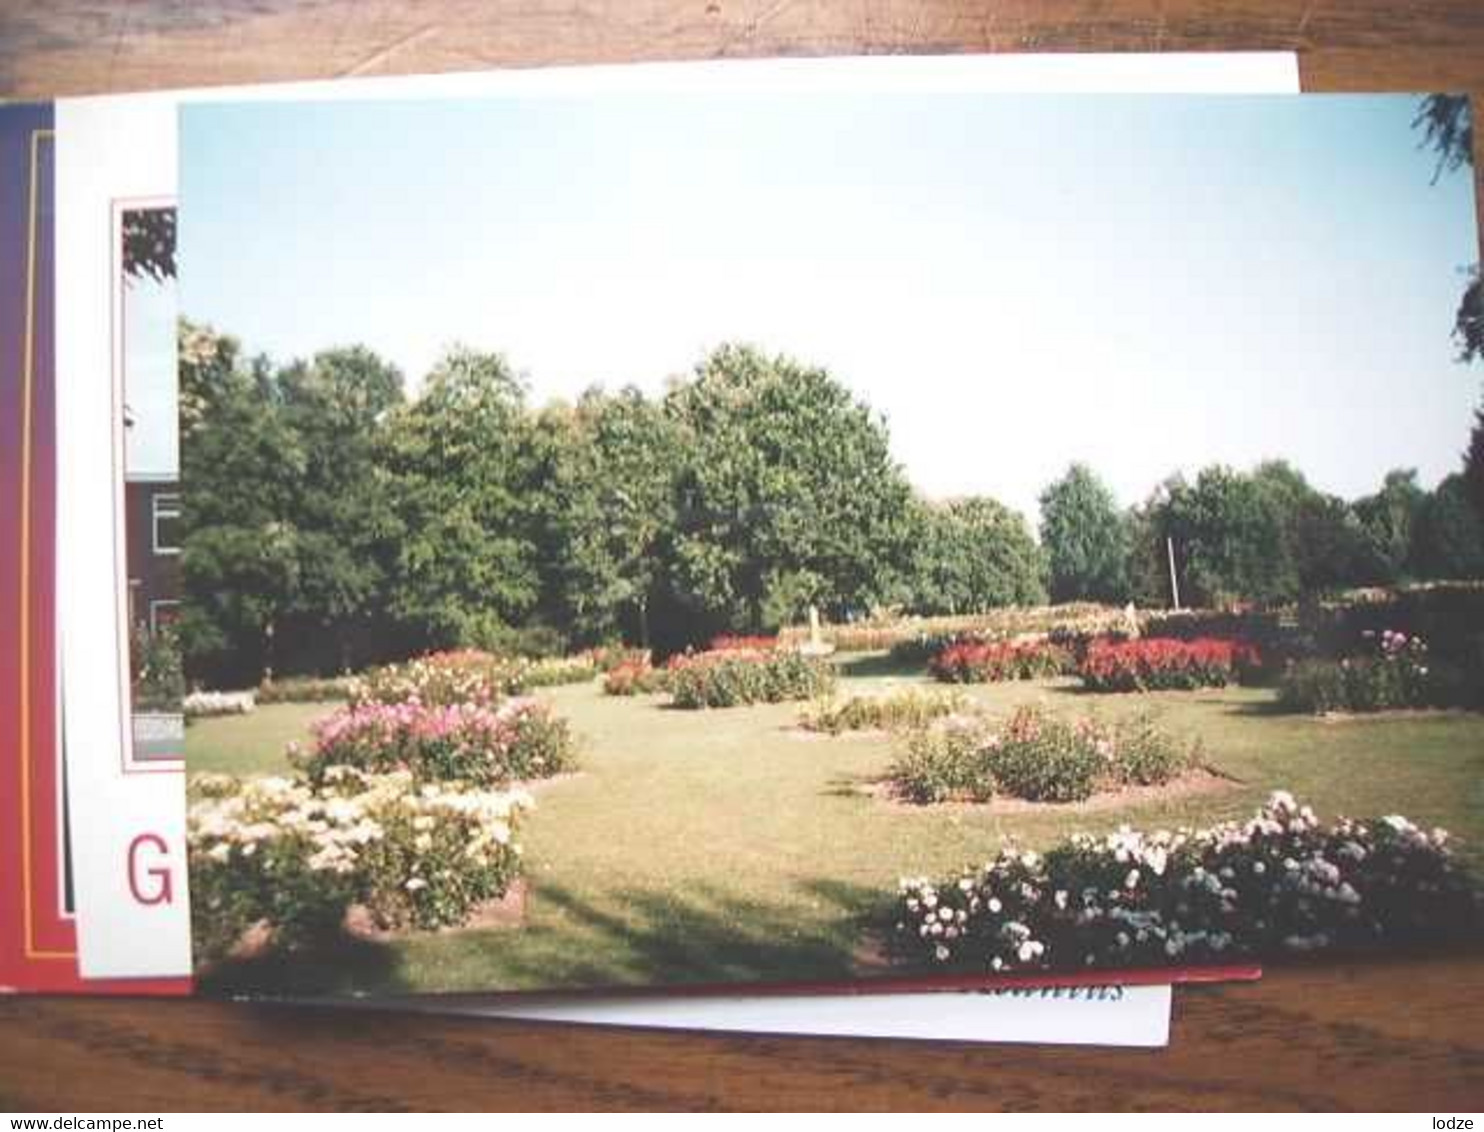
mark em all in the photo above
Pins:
pixel 763 666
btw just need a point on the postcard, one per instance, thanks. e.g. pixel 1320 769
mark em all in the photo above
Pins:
pixel 656 541
pixel 115 289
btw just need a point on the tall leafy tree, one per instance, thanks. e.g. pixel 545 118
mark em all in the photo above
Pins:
pixel 1229 540
pixel 788 495
pixel 239 466
pixel 1085 538
pixel 978 554
pixel 613 509
pixel 1389 519
pixel 1448 536
pixel 1473 463
pixel 339 515
pixel 1322 538
pixel 463 482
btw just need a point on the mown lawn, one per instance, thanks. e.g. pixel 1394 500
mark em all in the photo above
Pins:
pixel 718 845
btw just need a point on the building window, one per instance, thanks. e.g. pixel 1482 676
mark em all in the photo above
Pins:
pixel 162 613
pixel 166 523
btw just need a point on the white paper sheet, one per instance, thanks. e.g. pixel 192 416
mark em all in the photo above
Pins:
pixel 1105 1016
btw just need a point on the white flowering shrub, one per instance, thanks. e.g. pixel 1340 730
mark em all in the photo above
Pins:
pixel 297 855
pixel 197 705
pixel 1280 883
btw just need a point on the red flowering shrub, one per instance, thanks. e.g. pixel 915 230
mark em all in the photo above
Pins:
pixel 633 676
pixel 728 643
pixel 980 662
pixel 1157 664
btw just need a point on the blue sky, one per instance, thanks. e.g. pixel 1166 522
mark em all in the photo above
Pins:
pixel 152 442
pixel 1147 284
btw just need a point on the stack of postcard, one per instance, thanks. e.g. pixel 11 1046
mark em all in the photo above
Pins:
pixel 766 546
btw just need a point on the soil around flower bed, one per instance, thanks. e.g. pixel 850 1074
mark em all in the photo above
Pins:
pixel 504 912
pixel 1197 781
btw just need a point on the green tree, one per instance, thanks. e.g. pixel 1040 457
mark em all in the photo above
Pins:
pixel 1473 463
pixel 1085 537
pixel 788 495
pixel 1322 538
pixel 1448 540
pixel 239 464
pixel 339 518
pixel 1447 121
pixel 1388 519
pixel 612 502
pixel 977 554
pixel 1229 540
pixel 463 482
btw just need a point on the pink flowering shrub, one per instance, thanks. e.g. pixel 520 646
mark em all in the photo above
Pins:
pixel 471 742
pixel 1394 674
pixel 1278 884
pixel 980 662
pixel 296 856
pixel 1153 664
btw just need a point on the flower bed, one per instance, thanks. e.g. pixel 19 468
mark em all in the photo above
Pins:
pixel 635 676
pixel 729 643
pixel 552 671
pixel 734 678
pixel 1397 674
pixel 297 856
pixel 199 705
pixel 467 676
pixel 1278 884
pixel 904 709
pixel 914 639
pixel 473 742
pixel 1034 756
pixel 969 662
pixel 1158 664
pixel 306 690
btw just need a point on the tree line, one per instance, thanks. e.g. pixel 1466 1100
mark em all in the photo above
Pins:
pixel 331 521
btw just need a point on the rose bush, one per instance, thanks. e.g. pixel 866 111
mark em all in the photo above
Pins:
pixel 635 676
pixel 976 662
pixel 199 705
pixel 905 708
pixel 519 739
pixel 1395 674
pixel 1034 756
pixel 1148 665
pixel 733 678
pixel 467 676
pixel 1278 884
pixel 305 689
pixel 297 856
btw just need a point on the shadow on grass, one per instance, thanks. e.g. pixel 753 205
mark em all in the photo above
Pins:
pixel 701 934
pixel 878 664
pixel 342 965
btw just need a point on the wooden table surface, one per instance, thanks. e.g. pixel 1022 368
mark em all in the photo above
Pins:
pixel 1361 1035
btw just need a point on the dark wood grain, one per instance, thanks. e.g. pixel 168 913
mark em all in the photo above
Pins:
pixel 1364 1036
pixel 1373 1036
